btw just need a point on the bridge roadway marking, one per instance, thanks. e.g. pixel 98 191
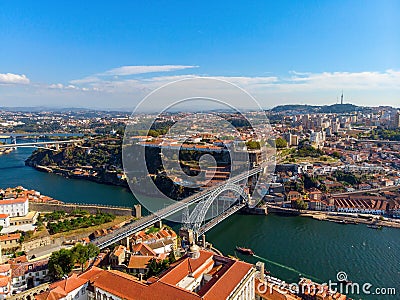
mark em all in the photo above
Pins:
pixel 147 221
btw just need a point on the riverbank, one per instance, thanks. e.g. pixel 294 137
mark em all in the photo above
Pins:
pixel 352 220
pixel 337 217
pixel 98 176
pixel 6 150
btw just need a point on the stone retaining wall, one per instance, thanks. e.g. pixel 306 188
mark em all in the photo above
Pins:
pixel 93 209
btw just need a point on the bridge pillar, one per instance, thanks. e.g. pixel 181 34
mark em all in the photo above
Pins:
pixel 158 224
pixel 203 240
pixel 137 211
pixel 187 237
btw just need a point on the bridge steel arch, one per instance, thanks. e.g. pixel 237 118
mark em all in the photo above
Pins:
pixel 198 215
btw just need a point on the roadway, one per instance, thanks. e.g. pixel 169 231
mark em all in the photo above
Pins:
pixel 376 141
pixel 381 189
pixel 33 144
pixel 9 135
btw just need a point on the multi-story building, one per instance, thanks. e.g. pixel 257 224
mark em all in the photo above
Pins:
pixel 198 275
pixel 10 240
pixel 26 275
pixel 4 220
pixel 14 207
pixel 396 121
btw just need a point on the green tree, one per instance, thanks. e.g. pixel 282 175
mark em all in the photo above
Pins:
pixel 83 253
pixel 80 254
pixel 310 182
pixel 92 250
pixel 300 204
pixel 253 145
pixel 156 267
pixel 61 263
pixel 280 143
pixel 171 257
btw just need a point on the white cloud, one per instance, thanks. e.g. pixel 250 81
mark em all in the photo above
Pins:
pixel 9 78
pixel 348 80
pixel 61 86
pixel 108 91
pixel 131 70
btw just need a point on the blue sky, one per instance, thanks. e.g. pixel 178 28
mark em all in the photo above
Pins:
pixel 107 54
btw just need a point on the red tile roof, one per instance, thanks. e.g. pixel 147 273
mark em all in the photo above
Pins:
pixel 10 237
pixel 5 268
pixel 139 261
pixel 13 201
pixel 220 287
pixel 184 267
pixel 69 284
pixel 4 281
pixel 55 294
pixel 143 249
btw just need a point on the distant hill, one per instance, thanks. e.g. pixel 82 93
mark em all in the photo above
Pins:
pixel 335 108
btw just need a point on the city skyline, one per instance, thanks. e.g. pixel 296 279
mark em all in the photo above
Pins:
pixel 286 53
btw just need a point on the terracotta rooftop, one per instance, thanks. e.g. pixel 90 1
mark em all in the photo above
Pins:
pixel 10 237
pixel 126 287
pixel 184 267
pixel 54 294
pixel 119 250
pixel 69 284
pixel 4 281
pixel 143 249
pixel 5 268
pixel 13 201
pixel 139 261
pixel 221 286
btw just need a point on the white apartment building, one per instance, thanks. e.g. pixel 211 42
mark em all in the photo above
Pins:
pixel 4 220
pixel 18 207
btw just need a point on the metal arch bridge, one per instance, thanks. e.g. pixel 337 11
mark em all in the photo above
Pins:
pixel 194 220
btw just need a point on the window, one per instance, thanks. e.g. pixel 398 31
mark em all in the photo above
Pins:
pixel 83 291
pixel 77 295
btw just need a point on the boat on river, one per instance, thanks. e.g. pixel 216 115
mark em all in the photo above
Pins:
pixel 245 251
pixel 374 226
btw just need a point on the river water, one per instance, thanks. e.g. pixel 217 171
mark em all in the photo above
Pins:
pixel 289 246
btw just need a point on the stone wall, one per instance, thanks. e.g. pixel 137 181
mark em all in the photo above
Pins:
pixel 93 209
pixel 31 293
pixel 36 243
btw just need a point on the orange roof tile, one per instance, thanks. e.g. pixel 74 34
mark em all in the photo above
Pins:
pixel 13 201
pixel 221 287
pixel 10 237
pixel 139 261
pixel 5 268
pixel 69 284
pixel 4 281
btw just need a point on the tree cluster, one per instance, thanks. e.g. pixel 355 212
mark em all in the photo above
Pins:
pixel 79 222
pixel 63 261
